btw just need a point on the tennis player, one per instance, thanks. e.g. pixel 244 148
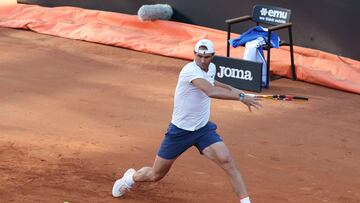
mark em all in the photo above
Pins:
pixel 190 125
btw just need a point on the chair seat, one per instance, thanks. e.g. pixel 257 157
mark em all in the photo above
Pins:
pixel 282 43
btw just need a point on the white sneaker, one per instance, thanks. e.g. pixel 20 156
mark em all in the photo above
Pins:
pixel 120 186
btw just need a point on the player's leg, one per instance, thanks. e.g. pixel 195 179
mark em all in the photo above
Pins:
pixel 175 142
pixel 213 147
pixel 155 173
pixel 219 153
pixel 171 147
pixel 158 171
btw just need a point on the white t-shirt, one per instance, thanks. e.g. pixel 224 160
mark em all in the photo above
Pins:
pixel 191 105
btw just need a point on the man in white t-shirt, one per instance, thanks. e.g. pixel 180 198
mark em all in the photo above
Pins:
pixel 190 125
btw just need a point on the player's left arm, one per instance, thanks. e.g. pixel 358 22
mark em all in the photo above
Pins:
pixel 219 92
pixel 228 87
pixel 249 99
pixel 214 91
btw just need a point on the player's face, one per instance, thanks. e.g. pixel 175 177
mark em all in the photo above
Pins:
pixel 203 60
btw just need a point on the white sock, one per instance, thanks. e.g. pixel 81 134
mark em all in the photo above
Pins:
pixel 129 180
pixel 245 200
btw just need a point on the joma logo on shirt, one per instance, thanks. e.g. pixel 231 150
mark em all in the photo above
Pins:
pixel 234 73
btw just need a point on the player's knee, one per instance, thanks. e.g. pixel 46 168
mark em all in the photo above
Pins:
pixel 227 162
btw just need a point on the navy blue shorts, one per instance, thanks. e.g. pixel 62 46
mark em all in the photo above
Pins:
pixel 177 140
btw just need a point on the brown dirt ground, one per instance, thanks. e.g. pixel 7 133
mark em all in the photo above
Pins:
pixel 75 115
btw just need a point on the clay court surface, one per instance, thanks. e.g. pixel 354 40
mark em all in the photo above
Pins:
pixel 75 115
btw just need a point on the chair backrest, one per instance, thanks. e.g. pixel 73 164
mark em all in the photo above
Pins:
pixel 271 15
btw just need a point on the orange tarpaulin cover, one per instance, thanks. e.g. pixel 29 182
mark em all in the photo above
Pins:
pixel 173 39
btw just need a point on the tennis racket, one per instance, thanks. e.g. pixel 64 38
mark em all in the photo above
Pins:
pixel 282 97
